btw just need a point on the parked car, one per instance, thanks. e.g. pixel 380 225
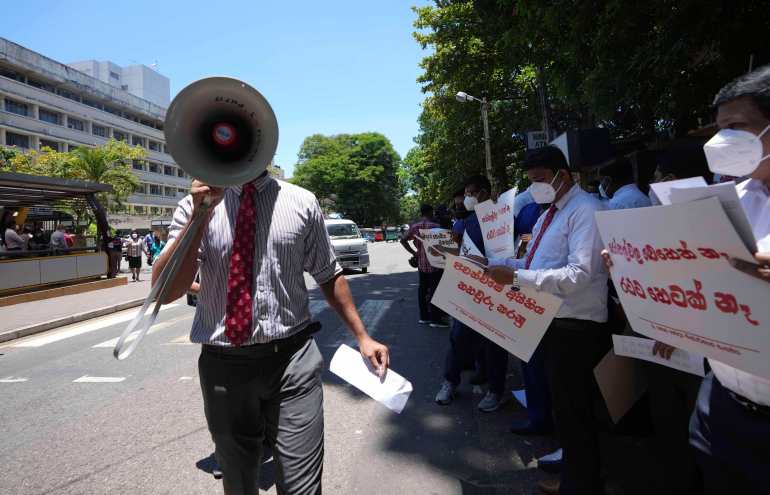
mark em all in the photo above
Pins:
pixel 349 246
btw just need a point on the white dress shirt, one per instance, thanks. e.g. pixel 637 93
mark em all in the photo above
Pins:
pixel 568 262
pixel 756 203
pixel 14 241
pixel 629 196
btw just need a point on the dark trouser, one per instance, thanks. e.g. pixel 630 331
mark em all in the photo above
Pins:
pixel 572 349
pixel 672 395
pixel 249 396
pixel 464 343
pixel 538 392
pixel 428 283
pixel 732 443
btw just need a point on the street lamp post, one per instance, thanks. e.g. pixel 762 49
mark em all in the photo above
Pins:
pixel 464 98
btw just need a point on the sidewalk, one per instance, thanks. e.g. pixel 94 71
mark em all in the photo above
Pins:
pixel 24 319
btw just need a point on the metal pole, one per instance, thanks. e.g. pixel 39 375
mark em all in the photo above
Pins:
pixel 487 150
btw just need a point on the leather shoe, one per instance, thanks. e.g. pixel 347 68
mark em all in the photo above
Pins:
pixel 525 427
pixel 549 487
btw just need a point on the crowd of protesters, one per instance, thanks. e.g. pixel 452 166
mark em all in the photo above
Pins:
pixel 711 434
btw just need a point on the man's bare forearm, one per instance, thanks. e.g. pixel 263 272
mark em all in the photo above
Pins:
pixel 337 294
pixel 186 274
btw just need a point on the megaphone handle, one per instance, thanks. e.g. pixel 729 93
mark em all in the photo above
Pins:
pixel 160 289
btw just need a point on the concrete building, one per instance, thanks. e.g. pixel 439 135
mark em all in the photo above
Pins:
pixel 46 103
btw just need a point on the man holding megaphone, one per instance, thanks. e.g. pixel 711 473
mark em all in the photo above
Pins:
pixel 260 369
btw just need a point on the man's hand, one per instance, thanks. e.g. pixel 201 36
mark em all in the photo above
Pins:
pixel 663 350
pixel 764 262
pixel 200 191
pixel 377 354
pixel 607 259
pixel 760 270
pixel 478 259
pixel 501 274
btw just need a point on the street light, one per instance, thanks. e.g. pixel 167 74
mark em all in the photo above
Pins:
pixel 464 97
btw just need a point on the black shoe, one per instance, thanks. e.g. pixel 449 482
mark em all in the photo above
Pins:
pixel 525 427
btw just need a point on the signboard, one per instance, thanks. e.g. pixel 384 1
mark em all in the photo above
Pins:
pixel 430 238
pixel 673 276
pixel 514 320
pixel 536 139
pixel 496 222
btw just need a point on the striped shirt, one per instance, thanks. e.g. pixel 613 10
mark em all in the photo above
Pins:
pixel 291 238
pixel 134 248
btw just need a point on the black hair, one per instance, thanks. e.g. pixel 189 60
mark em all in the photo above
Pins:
pixel 683 159
pixel 620 171
pixel 754 85
pixel 460 193
pixel 479 181
pixel 549 157
pixel 426 210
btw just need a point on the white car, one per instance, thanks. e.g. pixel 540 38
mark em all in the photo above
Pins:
pixel 349 246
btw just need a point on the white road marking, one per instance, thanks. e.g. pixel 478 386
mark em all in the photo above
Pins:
pixel 99 379
pixel 156 328
pixel 185 378
pixel 12 379
pixel 81 328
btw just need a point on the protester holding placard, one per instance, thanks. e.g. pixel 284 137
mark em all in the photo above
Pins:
pixel 464 343
pixel 564 260
pixel 429 276
pixel 730 427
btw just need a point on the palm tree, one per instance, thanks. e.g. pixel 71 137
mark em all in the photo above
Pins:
pixel 108 164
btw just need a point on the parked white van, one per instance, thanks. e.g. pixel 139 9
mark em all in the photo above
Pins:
pixel 349 246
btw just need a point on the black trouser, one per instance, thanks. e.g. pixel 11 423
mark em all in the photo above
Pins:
pixel 428 283
pixel 572 349
pixel 672 396
pixel 464 344
pixel 732 442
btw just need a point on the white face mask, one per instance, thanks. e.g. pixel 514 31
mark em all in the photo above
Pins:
pixel 603 192
pixel 470 202
pixel 544 193
pixel 734 153
pixel 133 236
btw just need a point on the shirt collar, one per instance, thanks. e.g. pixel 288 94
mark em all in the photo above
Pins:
pixel 757 186
pixel 259 183
pixel 626 188
pixel 565 199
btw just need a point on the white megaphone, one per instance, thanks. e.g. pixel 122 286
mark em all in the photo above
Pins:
pixel 224 133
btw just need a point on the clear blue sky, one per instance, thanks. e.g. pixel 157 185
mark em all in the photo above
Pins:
pixel 326 67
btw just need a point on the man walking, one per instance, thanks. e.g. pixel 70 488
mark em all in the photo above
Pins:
pixel 429 276
pixel 260 370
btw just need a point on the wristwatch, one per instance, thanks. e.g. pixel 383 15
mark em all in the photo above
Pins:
pixel 516 286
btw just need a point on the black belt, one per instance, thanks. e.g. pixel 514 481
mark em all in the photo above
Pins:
pixel 750 406
pixel 268 348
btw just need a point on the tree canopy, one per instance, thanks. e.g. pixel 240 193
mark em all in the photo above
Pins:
pixel 647 71
pixel 354 174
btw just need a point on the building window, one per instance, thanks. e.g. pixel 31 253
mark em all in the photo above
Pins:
pixel 119 136
pixel 13 139
pixel 11 74
pixel 114 75
pixel 16 107
pixel 50 144
pixel 41 85
pixel 180 172
pixel 92 103
pixel 137 141
pixel 169 170
pixel 182 191
pixel 50 117
pixel 76 124
pixel 99 130
pixel 111 110
pixel 68 95
pixel 154 146
pixel 139 210
pixel 154 168
pixel 156 190
pixel 138 165
pixel 170 212
pixel 171 192
pixel 141 189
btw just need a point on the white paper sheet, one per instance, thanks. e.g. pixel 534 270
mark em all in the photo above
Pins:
pixel 552 457
pixel 640 348
pixel 660 191
pixel 468 246
pixel 350 365
pixel 728 197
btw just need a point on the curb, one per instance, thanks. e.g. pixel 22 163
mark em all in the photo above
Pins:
pixel 68 320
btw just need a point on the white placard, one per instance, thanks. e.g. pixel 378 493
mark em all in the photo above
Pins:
pixel 641 348
pixel 728 197
pixel 671 271
pixel 660 191
pixel 514 320
pixel 430 238
pixel 496 222
pixel 351 366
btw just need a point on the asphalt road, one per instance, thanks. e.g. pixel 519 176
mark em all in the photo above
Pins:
pixel 76 421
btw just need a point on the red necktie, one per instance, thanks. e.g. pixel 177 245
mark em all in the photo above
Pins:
pixel 546 222
pixel 238 320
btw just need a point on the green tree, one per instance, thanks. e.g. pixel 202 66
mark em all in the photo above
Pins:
pixel 358 172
